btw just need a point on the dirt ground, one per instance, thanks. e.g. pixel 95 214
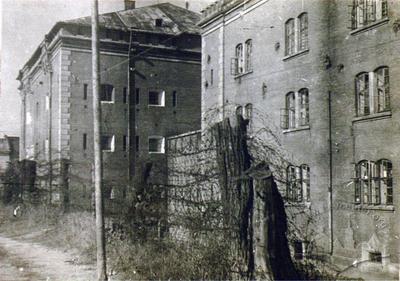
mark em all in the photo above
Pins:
pixel 22 259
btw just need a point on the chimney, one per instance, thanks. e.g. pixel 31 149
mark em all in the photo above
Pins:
pixel 129 4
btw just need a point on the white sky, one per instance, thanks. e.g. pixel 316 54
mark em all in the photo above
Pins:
pixel 23 26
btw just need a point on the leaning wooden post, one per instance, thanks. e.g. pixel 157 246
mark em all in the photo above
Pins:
pixel 100 237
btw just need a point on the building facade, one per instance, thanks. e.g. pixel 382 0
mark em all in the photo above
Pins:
pixel 321 79
pixel 160 99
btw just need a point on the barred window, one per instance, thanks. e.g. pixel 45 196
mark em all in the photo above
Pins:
pixel 365 12
pixel 304 107
pixel 362 91
pixel 382 98
pixel 248 60
pixel 373 91
pixel 373 182
pixel 303 32
pixel 239 58
pixel 291 110
pixel 298 183
pixel 289 37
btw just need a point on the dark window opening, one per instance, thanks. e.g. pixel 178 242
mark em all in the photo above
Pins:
pixel 159 22
pixel 174 98
pixel 298 250
pixel 125 95
pixel 375 257
pixel 137 143
pixel 137 96
pixel 85 91
pixel 107 143
pixel 156 98
pixel 106 92
pixel 124 143
pixel 84 143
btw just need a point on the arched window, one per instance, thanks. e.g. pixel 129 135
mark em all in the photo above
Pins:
pixel 289 37
pixel 305 181
pixel 292 189
pixel 290 110
pixel 239 58
pixel 365 12
pixel 248 113
pixel 382 97
pixel 303 32
pixel 362 94
pixel 304 107
pixel 385 182
pixel 248 60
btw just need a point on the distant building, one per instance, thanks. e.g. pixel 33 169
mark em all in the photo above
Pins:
pixel 9 151
pixel 322 76
pixel 56 93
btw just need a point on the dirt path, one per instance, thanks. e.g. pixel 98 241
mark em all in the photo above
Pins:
pixel 24 260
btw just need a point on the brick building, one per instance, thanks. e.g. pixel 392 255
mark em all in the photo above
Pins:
pixel 56 93
pixel 316 75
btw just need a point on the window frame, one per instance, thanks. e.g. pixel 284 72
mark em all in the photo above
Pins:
pixel 111 143
pixel 105 94
pixel 366 13
pixel 382 89
pixel 161 98
pixel 302 32
pixel 290 34
pixel 162 144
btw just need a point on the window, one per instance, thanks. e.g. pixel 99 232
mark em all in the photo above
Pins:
pixel 304 109
pixel 296 34
pixel 248 62
pixel 303 32
pixel 289 37
pixel 242 62
pixel 248 113
pixel 137 96
pixel 85 91
pixel 84 142
pixel 373 182
pixel 288 114
pixel 174 98
pixel 137 143
pixel 298 250
pixel 362 90
pixel 106 93
pixel 124 143
pixel 298 183
pixel 382 99
pixel 158 22
pixel 156 145
pixel 125 95
pixel 211 76
pixel 156 98
pixel 372 92
pixel 366 12
pixel 107 143
pixel 375 257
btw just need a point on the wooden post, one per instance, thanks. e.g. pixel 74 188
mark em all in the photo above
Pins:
pixel 100 237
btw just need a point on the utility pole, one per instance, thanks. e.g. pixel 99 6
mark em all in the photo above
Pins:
pixel 98 173
pixel 132 104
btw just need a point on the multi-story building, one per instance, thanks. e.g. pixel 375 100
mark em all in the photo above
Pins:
pixel 316 76
pixel 161 99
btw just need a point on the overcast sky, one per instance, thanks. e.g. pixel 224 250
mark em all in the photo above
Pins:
pixel 24 24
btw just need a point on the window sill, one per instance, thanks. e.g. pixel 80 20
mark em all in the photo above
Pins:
pixel 305 204
pixel 106 102
pixel 288 57
pixel 156 152
pixel 372 117
pixel 370 26
pixel 301 128
pixel 388 208
pixel 242 74
pixel 156 105
pixel 108 151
